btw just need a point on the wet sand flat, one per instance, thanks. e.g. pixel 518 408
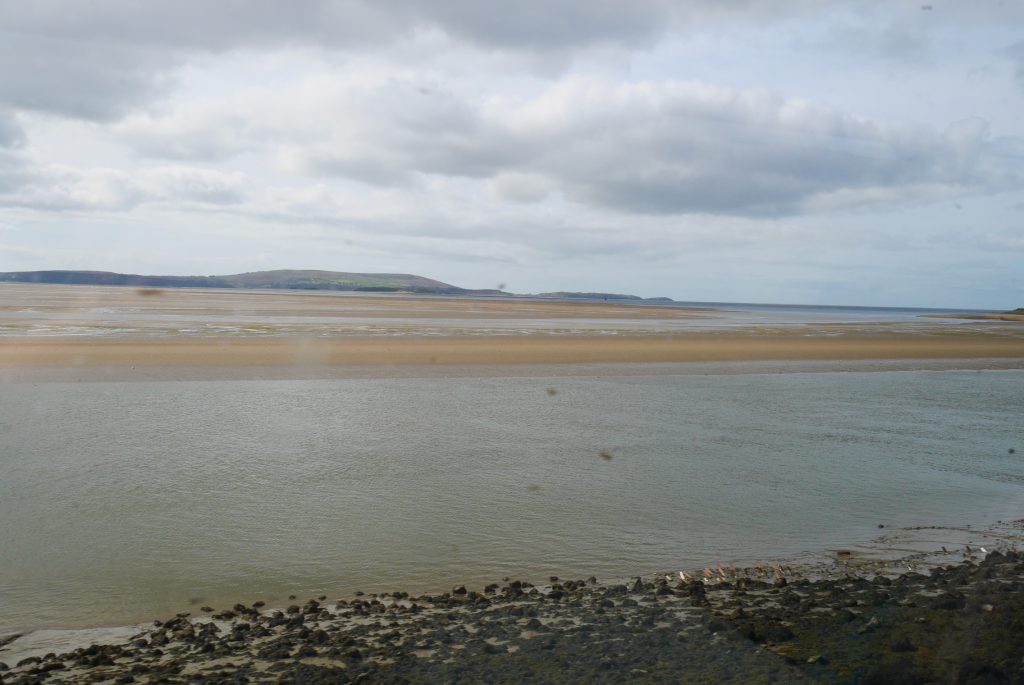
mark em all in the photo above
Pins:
pixel 746 345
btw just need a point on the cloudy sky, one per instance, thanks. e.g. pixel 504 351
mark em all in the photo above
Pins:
pixel 869 152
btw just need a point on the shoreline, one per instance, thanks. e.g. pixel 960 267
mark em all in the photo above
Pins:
pixel 849 615
pixel 166 374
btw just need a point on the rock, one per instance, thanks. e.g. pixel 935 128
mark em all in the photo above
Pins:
pixel 948 602
pixel 902 643
pixel 764 632
pixel 459 590
pixel 870 626
pixel 305 651
pixel 716 625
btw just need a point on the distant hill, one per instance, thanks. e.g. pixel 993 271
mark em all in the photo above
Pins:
pixel 284 279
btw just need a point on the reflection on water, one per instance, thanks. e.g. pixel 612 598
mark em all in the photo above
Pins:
pixel 122 501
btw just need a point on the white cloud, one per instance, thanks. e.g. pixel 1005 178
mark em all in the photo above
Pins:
pixel 659 147
pixel 574 134
pixel 61 188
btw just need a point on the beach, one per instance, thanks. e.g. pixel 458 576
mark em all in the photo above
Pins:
pixel 81 327
pixel 935 615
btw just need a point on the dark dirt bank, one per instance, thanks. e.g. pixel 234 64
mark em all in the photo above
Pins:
pixel 958 623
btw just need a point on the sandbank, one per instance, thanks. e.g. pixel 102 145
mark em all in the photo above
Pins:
pixel 751 345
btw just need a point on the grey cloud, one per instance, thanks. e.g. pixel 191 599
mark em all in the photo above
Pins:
pixel 553 24
pixel 652 148
pixel 674 148
pixel 898 41
pixel 11 133
pixel 98 59
pixel 81 79
pixel 529 24
pixel 14 172
pixel 196 24
pixel 1015 53
pixel 386 134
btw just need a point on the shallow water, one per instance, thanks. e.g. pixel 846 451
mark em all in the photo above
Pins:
pixel 123 501
pixel 48 311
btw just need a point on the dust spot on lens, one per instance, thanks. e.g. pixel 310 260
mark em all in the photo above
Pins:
pixel 606 455
pixel 552 392
pixel 148 292
pixel 533 488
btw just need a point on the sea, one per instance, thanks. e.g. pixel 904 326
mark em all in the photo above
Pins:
pixel 123 500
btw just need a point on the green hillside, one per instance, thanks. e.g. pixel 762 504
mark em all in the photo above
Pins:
pixel 283 279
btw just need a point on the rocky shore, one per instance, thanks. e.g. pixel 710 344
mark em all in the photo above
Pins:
pixel 957 623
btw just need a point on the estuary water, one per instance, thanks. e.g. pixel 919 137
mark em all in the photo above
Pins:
pixel 124 501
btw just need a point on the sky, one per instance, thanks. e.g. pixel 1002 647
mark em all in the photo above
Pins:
pixel 856 153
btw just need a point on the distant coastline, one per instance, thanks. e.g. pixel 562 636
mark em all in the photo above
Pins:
pixel 1010 315
pixel 278 279
pixel 289 279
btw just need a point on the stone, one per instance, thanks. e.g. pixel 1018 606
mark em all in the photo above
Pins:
pixel 902 643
